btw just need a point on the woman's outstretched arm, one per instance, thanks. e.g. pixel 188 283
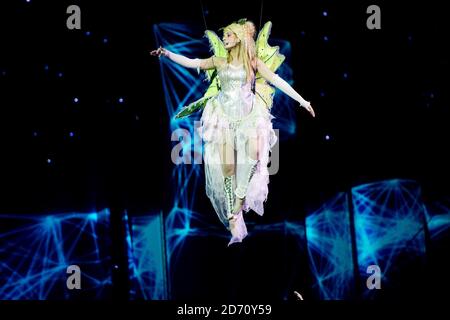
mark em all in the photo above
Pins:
pixel 186 62
pixel 281 84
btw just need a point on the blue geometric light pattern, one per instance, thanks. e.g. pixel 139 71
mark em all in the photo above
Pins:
pixel 289 229
pixel 389 221
pixel 330 249
pixel 148 271
pixel 181 86
pixel 438 218
pixel 35 251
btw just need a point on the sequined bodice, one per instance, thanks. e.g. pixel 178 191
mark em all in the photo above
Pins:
pixel 232 77
pixel 235 95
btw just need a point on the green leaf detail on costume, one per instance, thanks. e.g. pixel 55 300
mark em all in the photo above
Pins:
pixel 191 108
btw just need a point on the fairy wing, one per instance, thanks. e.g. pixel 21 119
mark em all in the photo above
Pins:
pixel 272 58
pixel 218 48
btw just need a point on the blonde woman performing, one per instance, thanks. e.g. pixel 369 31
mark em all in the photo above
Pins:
pixel 236 124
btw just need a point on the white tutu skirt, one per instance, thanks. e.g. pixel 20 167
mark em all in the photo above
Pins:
pixel 221 123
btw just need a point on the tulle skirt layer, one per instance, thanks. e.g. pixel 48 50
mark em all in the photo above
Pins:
pixel 219 127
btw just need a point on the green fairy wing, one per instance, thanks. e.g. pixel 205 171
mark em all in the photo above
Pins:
pixel 218 48
pixel 272 58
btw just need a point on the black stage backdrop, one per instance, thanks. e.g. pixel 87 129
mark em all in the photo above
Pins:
pixel 84 124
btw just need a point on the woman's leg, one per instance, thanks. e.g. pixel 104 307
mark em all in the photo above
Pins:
pixel 227 158
pixel 226 152
pixel 253 147
pixel 247 164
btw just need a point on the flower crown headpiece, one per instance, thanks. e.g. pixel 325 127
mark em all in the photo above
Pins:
pixel 239 28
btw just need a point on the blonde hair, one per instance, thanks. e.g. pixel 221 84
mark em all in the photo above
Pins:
pixel 245 31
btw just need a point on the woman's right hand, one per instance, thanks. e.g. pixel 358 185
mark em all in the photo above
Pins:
pixel 160 52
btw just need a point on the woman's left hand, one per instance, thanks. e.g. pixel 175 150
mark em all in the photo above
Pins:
pixel 310 109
